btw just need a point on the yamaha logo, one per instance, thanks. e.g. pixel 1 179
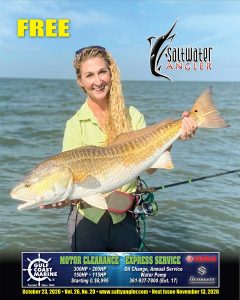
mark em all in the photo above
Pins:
pixel 201 258
pixel 189 258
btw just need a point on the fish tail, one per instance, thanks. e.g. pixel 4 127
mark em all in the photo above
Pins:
pixel 205 113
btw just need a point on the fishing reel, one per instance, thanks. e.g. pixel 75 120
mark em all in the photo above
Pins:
pixel 145 203
pixel 146 206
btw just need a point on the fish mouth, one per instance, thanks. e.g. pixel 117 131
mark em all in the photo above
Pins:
pixel 12 193
pixel 16 194
pixel 16 197
pixel 27 205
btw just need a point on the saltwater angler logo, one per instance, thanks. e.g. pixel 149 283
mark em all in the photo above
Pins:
pixel 37 272
pixel 176 58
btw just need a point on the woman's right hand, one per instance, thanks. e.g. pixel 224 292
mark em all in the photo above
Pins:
pixel 60 204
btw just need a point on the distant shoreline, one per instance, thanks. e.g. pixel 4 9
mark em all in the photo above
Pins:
pixel 123 80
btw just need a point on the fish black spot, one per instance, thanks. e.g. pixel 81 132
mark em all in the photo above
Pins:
pixel 196 110
pixel 27 185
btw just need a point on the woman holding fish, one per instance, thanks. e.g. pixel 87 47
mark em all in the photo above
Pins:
pixel 98 122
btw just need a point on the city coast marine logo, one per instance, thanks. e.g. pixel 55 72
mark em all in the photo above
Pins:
pixel 39 270
pixel 164 57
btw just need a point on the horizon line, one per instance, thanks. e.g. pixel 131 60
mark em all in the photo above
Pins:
pixel 145 80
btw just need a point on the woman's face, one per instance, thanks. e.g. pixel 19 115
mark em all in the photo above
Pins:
pixel 95 78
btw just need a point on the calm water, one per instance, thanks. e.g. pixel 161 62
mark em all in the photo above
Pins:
pixel 203 216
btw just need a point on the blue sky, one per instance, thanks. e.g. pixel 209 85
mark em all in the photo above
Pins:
pixel 123 28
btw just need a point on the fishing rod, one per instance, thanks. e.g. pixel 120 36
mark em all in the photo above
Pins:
pixel 154 189
pixel 146 206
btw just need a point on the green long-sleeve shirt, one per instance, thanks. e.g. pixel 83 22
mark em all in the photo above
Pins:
pixel 83 129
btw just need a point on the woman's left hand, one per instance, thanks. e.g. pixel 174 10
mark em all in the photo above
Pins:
pixel 189 126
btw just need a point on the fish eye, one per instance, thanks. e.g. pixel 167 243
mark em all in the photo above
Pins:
pixel 27 185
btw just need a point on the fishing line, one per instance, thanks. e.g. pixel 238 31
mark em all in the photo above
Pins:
pixel 153 189
pixel 75 232
pixel 149 190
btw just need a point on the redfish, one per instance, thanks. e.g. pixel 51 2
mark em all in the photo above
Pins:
pixel 89 172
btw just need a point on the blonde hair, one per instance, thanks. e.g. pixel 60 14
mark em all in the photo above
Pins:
pixel 118 120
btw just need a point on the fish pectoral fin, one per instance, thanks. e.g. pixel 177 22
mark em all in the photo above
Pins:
pixel 96 200
pixel 88 182
pixel 164 162
pixel 150 171
pixel 65 192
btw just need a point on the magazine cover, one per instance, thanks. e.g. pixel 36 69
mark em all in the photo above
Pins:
pixel 119 149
